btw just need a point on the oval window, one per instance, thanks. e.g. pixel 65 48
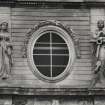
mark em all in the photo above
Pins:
pixel 51 53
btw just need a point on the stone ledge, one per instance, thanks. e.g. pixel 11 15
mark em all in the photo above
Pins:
pixel 53 91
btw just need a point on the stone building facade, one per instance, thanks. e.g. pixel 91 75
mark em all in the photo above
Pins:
pixel 52 59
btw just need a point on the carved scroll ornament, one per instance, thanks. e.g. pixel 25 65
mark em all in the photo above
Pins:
pixel 54 23
pixel 5 51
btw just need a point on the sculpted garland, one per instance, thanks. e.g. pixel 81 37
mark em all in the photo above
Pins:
pixel 54 23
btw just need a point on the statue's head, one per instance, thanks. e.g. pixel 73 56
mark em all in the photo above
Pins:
pixel 4 31
pixel 4 26
pixel 100 24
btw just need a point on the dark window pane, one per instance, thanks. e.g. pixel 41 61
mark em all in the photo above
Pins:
pixel 57 39
pixel 60 60
pixel 44 38
pixel 57 71
pixel 40 51
pixel 41 45
pixel 60 45
pixel 41 59
pixel 60 51
pixel 45 71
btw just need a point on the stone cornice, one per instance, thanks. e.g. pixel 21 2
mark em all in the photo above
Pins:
pixel 54 3
pixel 53 91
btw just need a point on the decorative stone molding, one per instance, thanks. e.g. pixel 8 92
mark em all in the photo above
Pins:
pixel 19 101
pixel 69 48
pixel 54 23
pixel 54 4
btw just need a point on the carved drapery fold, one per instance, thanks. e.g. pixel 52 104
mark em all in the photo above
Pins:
pixel 98 45
pixel 6 49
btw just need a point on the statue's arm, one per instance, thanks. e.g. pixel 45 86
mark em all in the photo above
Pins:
pixel 95 34
pixel 9 49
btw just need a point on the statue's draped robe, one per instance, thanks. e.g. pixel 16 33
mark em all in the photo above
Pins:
pixel 100 60
pixel 5 58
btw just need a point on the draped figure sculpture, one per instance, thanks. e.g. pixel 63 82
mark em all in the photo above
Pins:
pixel 98 41
pixel 5 51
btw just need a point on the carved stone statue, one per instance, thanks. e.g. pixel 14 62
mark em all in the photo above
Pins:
pixel 98 41
pixel 5 51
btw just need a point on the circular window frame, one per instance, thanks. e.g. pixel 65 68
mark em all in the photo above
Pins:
pixel 70 44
